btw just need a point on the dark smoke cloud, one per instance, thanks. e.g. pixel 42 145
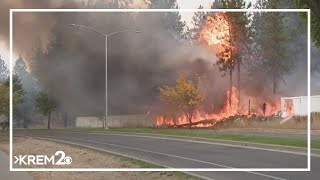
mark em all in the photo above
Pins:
pixel 137 63
pixel 28 22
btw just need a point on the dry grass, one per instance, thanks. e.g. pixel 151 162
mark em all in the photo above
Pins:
pixel 296 122
pixel 83 158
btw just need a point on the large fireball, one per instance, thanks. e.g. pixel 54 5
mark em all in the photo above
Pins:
pixel 215 33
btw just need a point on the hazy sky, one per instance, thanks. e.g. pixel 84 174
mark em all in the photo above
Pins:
pixel 194 4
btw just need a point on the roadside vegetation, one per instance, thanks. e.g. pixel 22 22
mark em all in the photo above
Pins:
pixel 233 137
pixel 296 122
pixel 200 133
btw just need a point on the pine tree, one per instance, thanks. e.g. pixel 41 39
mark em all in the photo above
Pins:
pixel 271 42
pixel 171 21
pixel 197 21
pixel 240 38
pixel 25 110
pixel 314 5
pixel 4 73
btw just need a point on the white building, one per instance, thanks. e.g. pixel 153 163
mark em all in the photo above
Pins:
pixel 299 105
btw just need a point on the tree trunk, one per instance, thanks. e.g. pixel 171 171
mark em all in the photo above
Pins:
pixel 49 118
pixel 239 83
pixel 189 116
pixel 230 87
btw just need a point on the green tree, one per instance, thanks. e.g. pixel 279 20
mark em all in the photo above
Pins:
pixel 171 21
pixel 185 96
pixel 4 100
pixel 271 42
pixel 314 5
pixel 45 105
pixel 17 96
pixel 25 110
pixel 4 73
pixel 197 22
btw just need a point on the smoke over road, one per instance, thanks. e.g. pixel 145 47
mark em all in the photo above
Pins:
pixel 137 63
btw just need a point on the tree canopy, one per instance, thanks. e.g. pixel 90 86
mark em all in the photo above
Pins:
pixel 45 105
pixel 314 5
pixel 17 95
pixel 271 43
pixel 4 73
pixel 185 96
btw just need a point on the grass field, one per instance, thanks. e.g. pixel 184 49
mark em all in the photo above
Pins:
pixel 190 133
pixel 233 137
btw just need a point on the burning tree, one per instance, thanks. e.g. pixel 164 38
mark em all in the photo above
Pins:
pixel 185 96
pixel 229 35
pixel 216 34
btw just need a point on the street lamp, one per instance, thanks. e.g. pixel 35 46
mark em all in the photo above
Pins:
pixel 106 55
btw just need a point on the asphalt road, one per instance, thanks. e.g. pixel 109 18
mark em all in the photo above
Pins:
pixel 182 153
pixel 5 174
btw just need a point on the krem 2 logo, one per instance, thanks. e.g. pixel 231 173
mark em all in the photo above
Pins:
pixel 59 158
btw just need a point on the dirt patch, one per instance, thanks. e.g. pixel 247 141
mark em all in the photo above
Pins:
pixel 82 158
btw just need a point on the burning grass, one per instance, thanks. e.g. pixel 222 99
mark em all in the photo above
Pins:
pixel 230 111
pixel 296 122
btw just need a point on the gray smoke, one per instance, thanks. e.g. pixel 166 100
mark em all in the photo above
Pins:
pixel 138 64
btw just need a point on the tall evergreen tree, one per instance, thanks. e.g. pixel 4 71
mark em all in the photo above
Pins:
pixel 26 109
pixel 171 21
pixel 4 73
pixel 314 5
pixel 271 42
pixel 197 21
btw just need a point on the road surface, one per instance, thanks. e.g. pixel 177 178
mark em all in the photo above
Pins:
pixel 5 174
pixel 183 153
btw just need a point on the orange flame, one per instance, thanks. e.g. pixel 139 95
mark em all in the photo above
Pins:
pixel 216 34
pixel 288 107
pixel 228 109
pixel 203 119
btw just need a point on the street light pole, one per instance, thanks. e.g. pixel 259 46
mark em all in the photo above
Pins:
pixel 106 55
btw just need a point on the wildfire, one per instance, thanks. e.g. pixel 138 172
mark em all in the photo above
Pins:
pixel 228 109
pixel 203 119
pixel 216 34
pixel 288 107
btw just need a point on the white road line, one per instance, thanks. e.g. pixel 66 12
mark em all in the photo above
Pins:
pixel 175 156
pixel 119 154
pixel 211 143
